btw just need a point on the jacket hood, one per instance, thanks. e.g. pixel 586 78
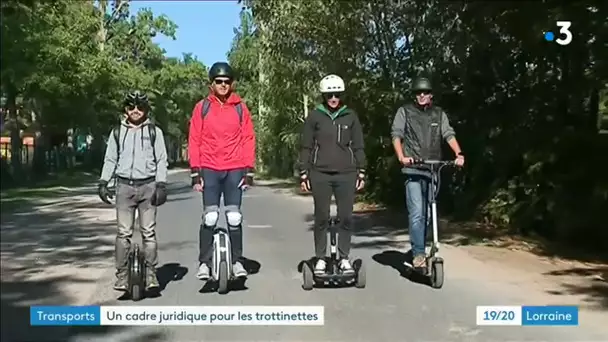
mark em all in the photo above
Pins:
pixel 127 124
pixel 233 99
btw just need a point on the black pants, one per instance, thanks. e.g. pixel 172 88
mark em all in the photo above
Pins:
pixel 342 186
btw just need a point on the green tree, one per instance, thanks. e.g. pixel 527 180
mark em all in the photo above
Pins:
pixel 526 110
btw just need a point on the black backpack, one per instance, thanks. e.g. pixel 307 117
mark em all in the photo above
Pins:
pixel 207 105
pixel 151 131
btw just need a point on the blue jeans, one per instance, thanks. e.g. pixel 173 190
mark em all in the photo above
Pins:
pixel 216 184
pixel 417 195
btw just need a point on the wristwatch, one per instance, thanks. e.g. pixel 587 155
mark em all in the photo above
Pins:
pixel 460 154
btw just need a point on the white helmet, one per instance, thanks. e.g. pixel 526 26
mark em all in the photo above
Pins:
pixel 332 84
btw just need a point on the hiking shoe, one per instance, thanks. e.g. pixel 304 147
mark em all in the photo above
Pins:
pixel 151 280
pixel 419 261
pixel 346 268
pixel 203 272
pixel 320 267
pixel 122 283
pixel 238 270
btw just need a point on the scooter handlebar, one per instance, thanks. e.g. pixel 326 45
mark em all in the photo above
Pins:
pixel 433 162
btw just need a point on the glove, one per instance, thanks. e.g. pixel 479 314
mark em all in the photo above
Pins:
pixel 304 181
pixel 360 183
pixel 104 193
pixel 195 175
pixel 160 195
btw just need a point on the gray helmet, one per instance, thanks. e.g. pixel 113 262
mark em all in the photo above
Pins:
pixel 221 69
pixel 135 98
pixel 421 84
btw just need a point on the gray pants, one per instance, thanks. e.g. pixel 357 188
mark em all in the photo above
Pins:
pixel 128 199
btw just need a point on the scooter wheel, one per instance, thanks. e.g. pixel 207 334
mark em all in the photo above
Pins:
pixel 222 287
pixel 360 279
pixel 308 277
pixel 136 274
pixel 437 274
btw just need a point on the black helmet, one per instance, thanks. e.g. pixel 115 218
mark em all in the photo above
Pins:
pixel 135 98
pixel 421 83
pixel 221 69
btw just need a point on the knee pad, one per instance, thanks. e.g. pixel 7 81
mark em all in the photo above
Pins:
pixel 234 218
pixel 210 219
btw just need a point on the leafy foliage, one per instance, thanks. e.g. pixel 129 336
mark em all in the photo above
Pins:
pixel 526 110
pixel 71 62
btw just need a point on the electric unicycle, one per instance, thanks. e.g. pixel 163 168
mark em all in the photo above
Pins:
pixel 137 273
pixel 221 271
pixel 333 275
pixel 434 263
pixel 137 270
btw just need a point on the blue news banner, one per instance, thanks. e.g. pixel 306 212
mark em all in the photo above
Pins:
pixel 176 315
pixel 527 315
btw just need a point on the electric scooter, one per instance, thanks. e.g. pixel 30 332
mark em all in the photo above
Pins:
pixel 333 275
pixel 434 263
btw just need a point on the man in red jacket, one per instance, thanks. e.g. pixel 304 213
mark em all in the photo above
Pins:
pixel 221 148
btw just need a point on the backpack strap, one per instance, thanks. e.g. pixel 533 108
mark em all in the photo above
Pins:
pixel 116 133
pixel 207 106
pixel 152 133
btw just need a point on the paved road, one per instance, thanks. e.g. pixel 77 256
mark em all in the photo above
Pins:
pixel 391 308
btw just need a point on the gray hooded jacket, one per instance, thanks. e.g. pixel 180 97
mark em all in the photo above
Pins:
pixel 136 154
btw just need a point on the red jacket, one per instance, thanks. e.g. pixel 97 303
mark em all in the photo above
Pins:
pixel 220 141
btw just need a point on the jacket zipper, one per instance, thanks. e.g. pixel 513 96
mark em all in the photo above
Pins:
pixel 352 155
pixel 133 152
pixel 339 132
pixel 314 159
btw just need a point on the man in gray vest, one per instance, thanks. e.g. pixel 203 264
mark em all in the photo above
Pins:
pixel 418 130
pixel 136 155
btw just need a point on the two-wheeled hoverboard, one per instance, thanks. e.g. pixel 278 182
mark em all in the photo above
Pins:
pixel 333 275
pixel 434 263
pixel 136 260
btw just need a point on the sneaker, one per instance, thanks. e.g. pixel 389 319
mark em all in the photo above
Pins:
pixel 345 267
pixel 419 261
pixel 203 272
pixel 320 267
pixel 238 270
pixel 122 283
pixel 151 280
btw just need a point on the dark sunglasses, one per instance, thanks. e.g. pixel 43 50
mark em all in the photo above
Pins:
pixel 332 95
pixel 423 92
pixel 220 82
pixel 131 107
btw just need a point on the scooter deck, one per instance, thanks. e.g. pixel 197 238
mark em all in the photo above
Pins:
pixel 334 277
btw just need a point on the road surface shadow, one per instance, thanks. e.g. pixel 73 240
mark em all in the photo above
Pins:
pixel 594 285
pixel 239 284
pixel 397 260
pixel 17 296
pixel 51 241
pixel 165 274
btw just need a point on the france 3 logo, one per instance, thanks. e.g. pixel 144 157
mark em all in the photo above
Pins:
pixel 565 37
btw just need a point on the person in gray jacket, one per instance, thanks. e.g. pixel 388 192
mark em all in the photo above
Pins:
pixel 136 155
pixel 418 130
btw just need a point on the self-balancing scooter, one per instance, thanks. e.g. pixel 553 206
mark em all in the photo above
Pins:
pixel 434 263
pixel 333 275
pixel 137 270
pixel 136 260
pixel 221 272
